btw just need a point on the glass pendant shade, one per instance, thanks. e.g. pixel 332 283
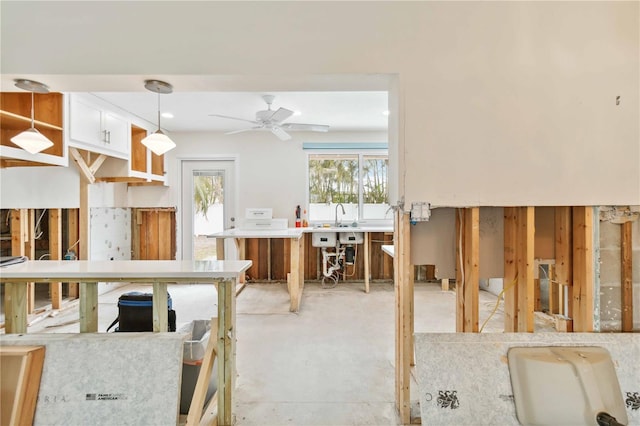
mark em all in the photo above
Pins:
pixel 32 141
pixel 158 142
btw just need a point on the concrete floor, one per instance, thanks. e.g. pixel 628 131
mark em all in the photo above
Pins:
pixel 330 364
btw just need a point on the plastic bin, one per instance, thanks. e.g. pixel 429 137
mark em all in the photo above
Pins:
pixel 192 357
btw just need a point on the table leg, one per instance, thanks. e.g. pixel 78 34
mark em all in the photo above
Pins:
pixel 160 311
pixel 220 248
pixel 88 307
pixel 294 276
pixel 15 308
pixel 226 350
pixel 366 262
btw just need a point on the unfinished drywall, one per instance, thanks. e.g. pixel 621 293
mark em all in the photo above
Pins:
pixel 110 238
pixel 499 103
pixel 610 274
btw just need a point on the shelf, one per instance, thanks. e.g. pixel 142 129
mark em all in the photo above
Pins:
pixel 18 122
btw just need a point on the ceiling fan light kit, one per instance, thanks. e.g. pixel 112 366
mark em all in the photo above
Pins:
pixel 269 119
pixel 158 142
pixel 31 140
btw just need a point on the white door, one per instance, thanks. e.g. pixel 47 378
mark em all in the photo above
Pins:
pixel 207 205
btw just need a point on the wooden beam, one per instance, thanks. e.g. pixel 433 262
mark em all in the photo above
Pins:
pixel 510 269
pixel 467 276
pixel 202 384
pixel 525 264
pixel 84 216
pixel 15 306
pixel 554 292
pixel 583 277
pixel 295 291
pixel 55 253
pixel 564 254
pixel 402 278
pixel 95 165
pixel 367 261
pixel 626 279
pixel 85 170
pixel 17 235
pixel 226 350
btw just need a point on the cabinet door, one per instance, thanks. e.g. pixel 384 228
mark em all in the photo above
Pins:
pixel 85 122
pixel 117 133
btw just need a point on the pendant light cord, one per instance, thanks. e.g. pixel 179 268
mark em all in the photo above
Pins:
pixel 159 111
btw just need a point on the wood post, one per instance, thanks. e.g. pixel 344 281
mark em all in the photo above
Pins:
pixel 555 292
pixel 468 267
pixel 564 255
pixel 404 294
pixel 626 278
pixel 160 308
pixel 88 307
pixel 367 261
pixel 583 277
pixel 55 253
pixel 30 252
pixel 525 265
pixel 510 269
pixel 226 350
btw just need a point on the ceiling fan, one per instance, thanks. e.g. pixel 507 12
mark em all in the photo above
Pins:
pixel 269 119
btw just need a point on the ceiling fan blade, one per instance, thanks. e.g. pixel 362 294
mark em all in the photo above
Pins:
pixel 281 134
pixel 233 118
pixel 280 115
pixel 308 127
pixel 233 132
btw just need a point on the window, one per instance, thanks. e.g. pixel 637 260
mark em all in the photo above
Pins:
pixel 357 181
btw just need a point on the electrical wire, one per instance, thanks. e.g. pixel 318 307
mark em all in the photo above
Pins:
pixel 44 255
pixel 500 296
pixel 36 229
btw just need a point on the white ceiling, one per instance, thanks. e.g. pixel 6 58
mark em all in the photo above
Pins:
pixel 342 111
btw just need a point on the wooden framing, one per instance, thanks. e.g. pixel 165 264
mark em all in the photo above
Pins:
pixel 226 350
pixel 196 416
pixel 468 267
pixel 55 253
pixel 404 295
pixel 519 284
pixel 564 255
pixel 72 232
pixel 626 280
pixel 510 269
pixel 525 264
pixel 582 295
pixel 20 369
pixel 30 252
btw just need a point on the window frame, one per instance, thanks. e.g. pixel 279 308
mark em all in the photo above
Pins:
pixel 361 154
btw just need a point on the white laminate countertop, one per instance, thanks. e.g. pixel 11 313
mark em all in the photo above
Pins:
pixel 389 250
pixel 91 270
pixel 294 232
pixel 259 233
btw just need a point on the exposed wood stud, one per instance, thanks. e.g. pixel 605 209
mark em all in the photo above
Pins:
pixel 467 275
pixel 202 384
pixel 525 265
pixel 55 253
pixel 30 252
pixel 226 350
pixel 510 269
pixel 583 278
pixel 160 304
pixel 73 237
pixel 626 278
pixel 564 254
pixel 402 278
pixel 81 162
pixel 554 292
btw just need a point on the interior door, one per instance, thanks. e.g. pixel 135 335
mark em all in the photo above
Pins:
pixel 207 205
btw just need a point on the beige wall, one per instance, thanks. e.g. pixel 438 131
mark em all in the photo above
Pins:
pixel 498 103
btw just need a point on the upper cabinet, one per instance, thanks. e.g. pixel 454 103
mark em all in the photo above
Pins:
pixel 15 117
pixel 94 126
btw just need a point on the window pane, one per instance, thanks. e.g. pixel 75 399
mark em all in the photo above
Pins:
pixel 333 179
pixel 375 187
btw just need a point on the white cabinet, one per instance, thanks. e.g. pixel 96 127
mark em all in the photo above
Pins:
pixel 92 126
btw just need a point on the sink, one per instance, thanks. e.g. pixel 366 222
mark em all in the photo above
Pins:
pixel 351 237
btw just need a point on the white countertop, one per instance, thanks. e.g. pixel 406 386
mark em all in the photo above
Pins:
pixel 389 250
pixel 259 233
pixel 294 232
pixel 91 270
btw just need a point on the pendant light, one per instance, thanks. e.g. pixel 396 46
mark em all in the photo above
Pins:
pixel 158 142
pixel 31 140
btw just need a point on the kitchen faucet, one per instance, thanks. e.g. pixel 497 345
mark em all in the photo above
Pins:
pixel 343 212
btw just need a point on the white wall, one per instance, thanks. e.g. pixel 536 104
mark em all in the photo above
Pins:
pixel 498 103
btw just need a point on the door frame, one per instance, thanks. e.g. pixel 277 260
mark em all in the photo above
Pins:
pixel 231 196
